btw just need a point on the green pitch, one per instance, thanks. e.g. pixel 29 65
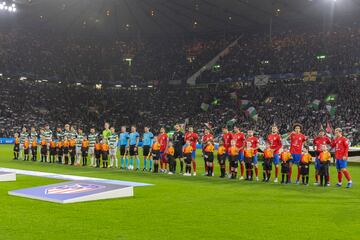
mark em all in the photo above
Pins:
pixel 178 207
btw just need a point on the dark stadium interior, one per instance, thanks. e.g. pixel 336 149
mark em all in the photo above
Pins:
pixel 140 54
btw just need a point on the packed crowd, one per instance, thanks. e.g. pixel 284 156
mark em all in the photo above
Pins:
pixel 71 59
pixel 290 52
pixel 66 59
pixel 24 103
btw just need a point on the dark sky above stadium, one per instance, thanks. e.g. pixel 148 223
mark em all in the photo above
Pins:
pixel 176 17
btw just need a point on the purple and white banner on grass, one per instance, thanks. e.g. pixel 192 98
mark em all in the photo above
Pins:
pixel 73 177
pixel 75 191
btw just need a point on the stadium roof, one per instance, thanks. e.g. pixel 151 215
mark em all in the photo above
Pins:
pixel 164 17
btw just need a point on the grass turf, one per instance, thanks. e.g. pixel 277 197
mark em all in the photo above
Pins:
pixel 178 207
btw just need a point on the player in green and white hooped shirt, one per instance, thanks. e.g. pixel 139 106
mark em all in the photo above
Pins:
pixel 41 134
pixel 59 134
pixel 47 134
pixel 79 139
pixel 72 136
pixel 48 137
pixel 92 139
pixel 66 132
pixel 113 141
pixel 33 133
pixel 23 135
pixel 73 133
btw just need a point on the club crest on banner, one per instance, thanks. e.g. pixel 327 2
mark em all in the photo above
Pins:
pixel 73 188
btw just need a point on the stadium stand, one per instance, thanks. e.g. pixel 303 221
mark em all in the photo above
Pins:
pixel 63 63
pixel 125 62
pixel 291 52
pixel 86 106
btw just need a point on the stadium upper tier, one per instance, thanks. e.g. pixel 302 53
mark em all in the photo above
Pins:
pixel 143 62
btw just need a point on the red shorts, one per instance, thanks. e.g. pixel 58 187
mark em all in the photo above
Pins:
pixel 163 157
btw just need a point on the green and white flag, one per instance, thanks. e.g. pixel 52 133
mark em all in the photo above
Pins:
pixel 261 80
pixel 244 103
pixel 231 122
pixel 204 106
pixel 331 110
pixel 251 112
pixel 315 104
pixel 215 102
pixel 284 136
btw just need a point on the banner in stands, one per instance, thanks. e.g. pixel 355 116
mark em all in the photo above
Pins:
pixel 261 80
pixel 307 76
pixel 310 76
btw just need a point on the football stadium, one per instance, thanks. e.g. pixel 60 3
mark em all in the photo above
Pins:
pixel 181 119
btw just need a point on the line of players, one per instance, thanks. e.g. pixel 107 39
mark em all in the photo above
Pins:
pixel 236 147
pixel 72 147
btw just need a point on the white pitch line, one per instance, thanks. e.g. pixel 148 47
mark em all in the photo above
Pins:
pixel 72 177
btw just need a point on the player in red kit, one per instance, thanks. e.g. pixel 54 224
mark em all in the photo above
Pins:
pixel 297 140
pixel 239 137
pixel 318 142
pixel 255 146
pixel 204 140
pixel 227 137
pixel 341 145
pixel 275 144
pixel 192 138
pixel 163 140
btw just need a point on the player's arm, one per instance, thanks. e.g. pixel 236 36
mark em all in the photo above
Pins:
pixel 257 144
pixel 328 141
pixel 333 143
pixel 128 141
pixel 346 149
pixel 151 139
pixel 196 138
pixel 183 150
pixel 150 151
pixel 278 145
pixel 166 146
pixel 314 141
pixel 137 141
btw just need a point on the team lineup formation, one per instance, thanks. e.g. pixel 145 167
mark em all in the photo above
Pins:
pixel 235 151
